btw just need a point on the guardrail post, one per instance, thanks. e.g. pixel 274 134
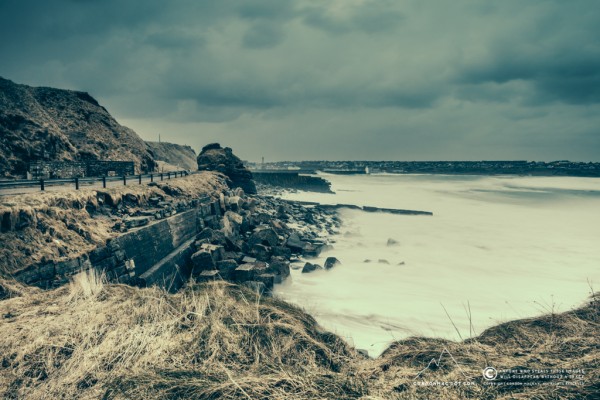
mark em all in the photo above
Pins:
pixel 140 179
pixel 76 183
pixel 168 175
pixel 151 178
pixel 104 182
pixel 42 187
pixel 161 176
pixel 124 180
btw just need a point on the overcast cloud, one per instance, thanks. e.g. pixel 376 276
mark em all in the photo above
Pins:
pixel 314 79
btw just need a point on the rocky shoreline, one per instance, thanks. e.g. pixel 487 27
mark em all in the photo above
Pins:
pixel 257 239
pixel 175 229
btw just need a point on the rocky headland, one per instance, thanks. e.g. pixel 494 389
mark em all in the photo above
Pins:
pixel 213 157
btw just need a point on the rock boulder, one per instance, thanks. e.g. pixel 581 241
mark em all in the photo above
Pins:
pixel 215 158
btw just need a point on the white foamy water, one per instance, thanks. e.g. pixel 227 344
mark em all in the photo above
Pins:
pixel 510 247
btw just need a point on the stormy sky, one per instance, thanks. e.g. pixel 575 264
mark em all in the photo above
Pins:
pixel 316 79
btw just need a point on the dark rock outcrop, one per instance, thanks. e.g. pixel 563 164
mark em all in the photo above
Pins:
pixel 309 267
pixel 331 262
pixel 213 157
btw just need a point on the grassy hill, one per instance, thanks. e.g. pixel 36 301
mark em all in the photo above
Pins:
pixel 41 123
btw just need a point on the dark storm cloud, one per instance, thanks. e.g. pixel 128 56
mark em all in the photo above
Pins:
pixel 426 79
pixel 371 17
pixel 556 52
pixel 263 36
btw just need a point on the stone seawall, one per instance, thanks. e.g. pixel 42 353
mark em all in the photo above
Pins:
pixel 129 258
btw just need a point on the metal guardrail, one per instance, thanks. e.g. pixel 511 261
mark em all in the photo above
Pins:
pixel 43 183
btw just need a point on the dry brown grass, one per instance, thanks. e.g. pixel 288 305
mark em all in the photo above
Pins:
pixel 55 226
pixel 569 340
pixel 95 340
pixel 92 340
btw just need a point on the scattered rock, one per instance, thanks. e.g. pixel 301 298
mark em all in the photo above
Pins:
pixel 392 242
pixel 226 268
pixel 261 252
pixel 136 222
pixel 265 236
pixel 202 260
pixel 309 267
pixel 331 262
pixel 295 244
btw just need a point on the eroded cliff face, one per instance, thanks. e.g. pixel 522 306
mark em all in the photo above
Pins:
pixel 175 156
pixel 40 123
pixel 213 157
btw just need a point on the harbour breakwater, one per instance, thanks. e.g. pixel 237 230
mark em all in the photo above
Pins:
pixel 291 180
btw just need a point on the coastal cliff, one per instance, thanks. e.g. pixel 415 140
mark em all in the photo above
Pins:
pixel 48 124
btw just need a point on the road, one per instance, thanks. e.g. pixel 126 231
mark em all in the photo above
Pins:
pixel 70 186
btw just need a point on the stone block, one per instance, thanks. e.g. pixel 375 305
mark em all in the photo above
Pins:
pixel 244 272
pixel 216 251
pixel 208 275
pixel 280 268
pixel 261 252
pixel 295 244
pixel 202 260
pixel 267 279
pixel 227 268
pixel 281 251
pixel 120 255
pixel 264 235
pixel 107 264
pixel 99 253
pixel 136 222
pixel 70 267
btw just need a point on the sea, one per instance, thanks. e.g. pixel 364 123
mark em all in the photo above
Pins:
pixel 497 248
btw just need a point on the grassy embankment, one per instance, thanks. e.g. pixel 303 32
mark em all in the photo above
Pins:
pixel 218 341
pixel 60 225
